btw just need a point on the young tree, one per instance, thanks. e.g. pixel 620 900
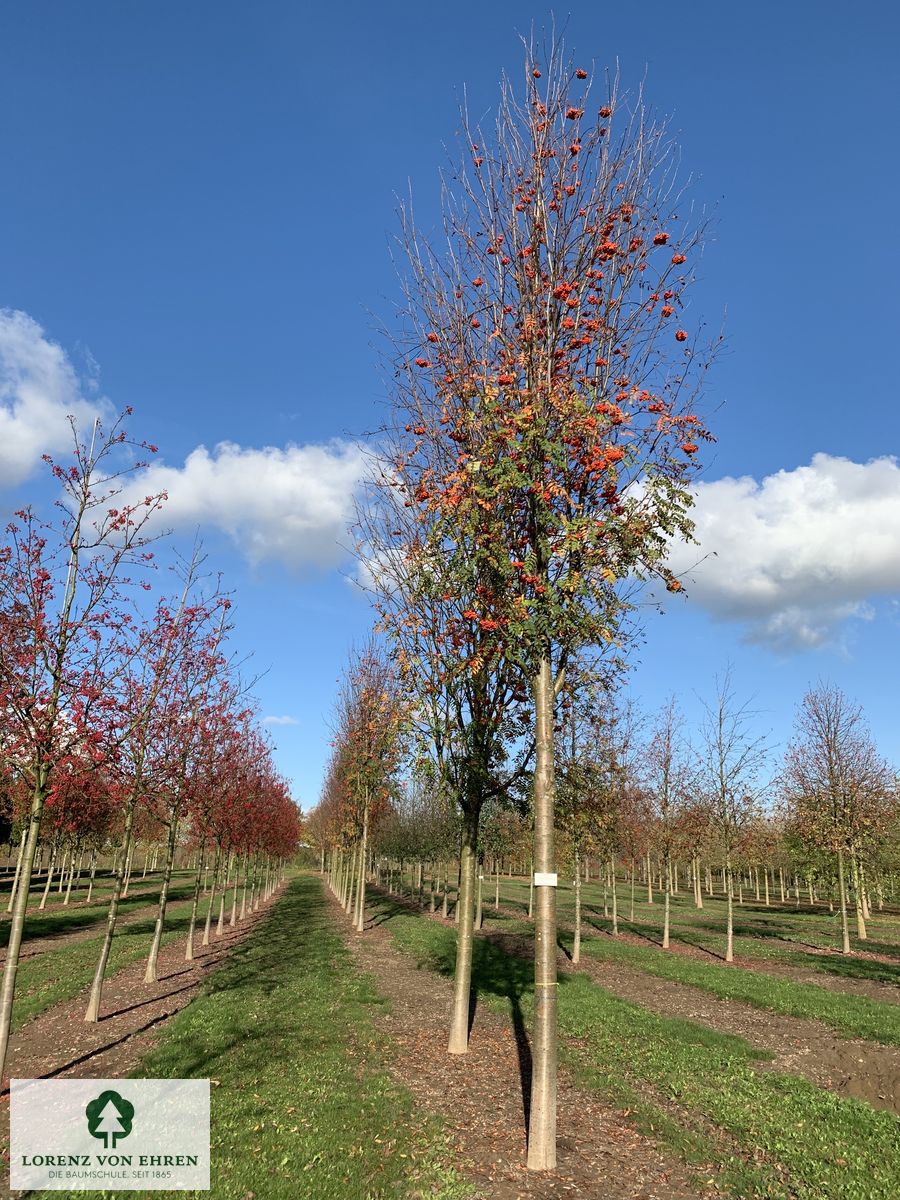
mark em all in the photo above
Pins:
pixel 733 777
pixel 838 788
pixel 667 784
pixel 61 602
pixel 545 430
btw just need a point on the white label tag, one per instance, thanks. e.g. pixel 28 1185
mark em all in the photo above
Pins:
pixel 545 878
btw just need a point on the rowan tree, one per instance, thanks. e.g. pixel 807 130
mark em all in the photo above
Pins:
pixel 544 427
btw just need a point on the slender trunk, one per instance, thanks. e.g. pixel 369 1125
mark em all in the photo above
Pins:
pixel 479 906
pixel 842 888
pixel 465 904
pixel 17 923
pixel 91 878
pixel 220 925
pixel 858 899
pixel 497 887
pixel 129 859
pixel 62 870
pixel 729 900
pixel 189 947
pixel 576 944
pixel 615 902
pixel 698 890
pixel 360 921
pixel 232 920
pixel 542 1125
pixel 766 879
pixel 212 896
pixel 50 867
pixel 649 880
pixel 633 874
pixel 244 890
pixel 71 879
pixel 667 903
pixel 15 886
pixel 150 975
pixel 864 892
pixel 781 883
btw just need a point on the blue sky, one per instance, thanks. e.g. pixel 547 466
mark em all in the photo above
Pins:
pixel 197 212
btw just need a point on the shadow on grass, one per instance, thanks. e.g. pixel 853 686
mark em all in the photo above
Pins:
pixel 72 920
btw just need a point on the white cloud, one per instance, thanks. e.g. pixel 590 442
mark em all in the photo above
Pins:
pixel 291 505
pixel 39 389
pixel 280 721
pixel 798 553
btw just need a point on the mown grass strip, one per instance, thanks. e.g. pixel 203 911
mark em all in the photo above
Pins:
pixel 53 922
pixel 302 1108
pixel 780 932
pixel 852 1016
pixel 57 975
pixel 799 1141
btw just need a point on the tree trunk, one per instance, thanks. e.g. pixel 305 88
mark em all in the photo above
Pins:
pixel 189 947
pixel 729 900
pixel 15 886
pixel 71 879
pixel 698 890
pixel 50 867
pixel 212 897
pixel 91 877
pixel 542 1124
pixel 150 974
pixel 359 923
pixel 576 944
pixel 858 897
pixel 649 880
pixel 842 888
pixel 615 902
pixel 465 904
pixel 17 924
pixel 667 903
pixel 633 874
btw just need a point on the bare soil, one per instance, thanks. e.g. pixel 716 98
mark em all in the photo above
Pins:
pixel 482 1095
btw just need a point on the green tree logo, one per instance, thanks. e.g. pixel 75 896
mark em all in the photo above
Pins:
pixel 109 1117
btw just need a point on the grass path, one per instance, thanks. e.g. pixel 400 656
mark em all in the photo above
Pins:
pixel 302 1108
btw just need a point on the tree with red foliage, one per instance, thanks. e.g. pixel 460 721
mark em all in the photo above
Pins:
pixel 61 608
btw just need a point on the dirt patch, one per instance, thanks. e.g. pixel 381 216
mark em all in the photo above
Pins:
pixel 58 1043
pixel 480 1095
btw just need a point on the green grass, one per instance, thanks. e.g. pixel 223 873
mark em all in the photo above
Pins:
pixel 850 1015
pixel 74 918
pixel 699 1092
pixel 57 975
pixel 302 1108
pixel 780 934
